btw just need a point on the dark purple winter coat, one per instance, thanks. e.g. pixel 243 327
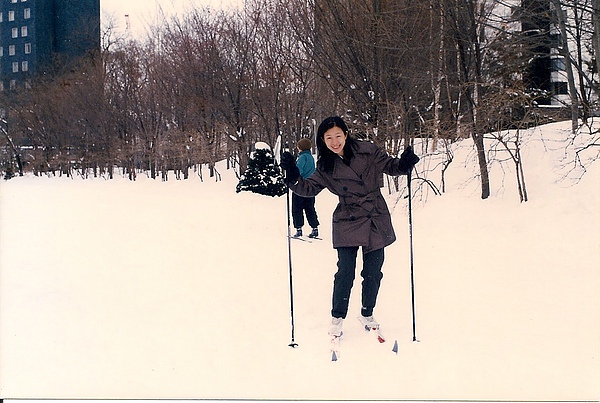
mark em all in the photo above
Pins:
pixel 361 217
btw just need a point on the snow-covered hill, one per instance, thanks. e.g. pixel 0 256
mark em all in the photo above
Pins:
pixel 179 289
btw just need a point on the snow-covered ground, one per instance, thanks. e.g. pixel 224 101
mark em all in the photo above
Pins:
pixel 180 289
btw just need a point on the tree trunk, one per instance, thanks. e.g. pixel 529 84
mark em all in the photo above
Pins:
pixel 14 149
pixel 596 44
pixel 568 65
pixel 483 169
pixel 437 84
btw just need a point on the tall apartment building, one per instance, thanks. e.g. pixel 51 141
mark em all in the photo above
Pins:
pixel 546 70
pixel 36 34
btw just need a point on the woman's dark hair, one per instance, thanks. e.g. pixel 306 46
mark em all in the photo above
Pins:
pixel 327 157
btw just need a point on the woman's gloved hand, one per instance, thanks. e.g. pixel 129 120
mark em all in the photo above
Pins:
pixel 288 164
pixel 408 159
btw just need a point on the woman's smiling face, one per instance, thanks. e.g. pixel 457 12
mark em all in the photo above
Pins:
pixel 335 139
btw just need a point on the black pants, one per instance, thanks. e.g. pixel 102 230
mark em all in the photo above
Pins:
pixel 301 205
pixel 344 278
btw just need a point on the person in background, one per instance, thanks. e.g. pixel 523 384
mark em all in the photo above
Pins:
pixel 352 169
pixel 305 205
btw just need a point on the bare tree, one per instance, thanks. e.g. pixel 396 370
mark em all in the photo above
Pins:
pixel 595 13
pixel 564 49
pixel 206 85
pixel 466 20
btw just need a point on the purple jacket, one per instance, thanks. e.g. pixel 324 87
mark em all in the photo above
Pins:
pixel 361 217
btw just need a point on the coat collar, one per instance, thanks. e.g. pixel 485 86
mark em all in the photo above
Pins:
pixel 351 171
pixel 358 164
pixel 343 171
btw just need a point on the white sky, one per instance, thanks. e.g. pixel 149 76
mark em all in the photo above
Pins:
pixel 143 12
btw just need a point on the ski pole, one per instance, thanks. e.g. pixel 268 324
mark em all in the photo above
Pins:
pixel 293 344
pixel 412 259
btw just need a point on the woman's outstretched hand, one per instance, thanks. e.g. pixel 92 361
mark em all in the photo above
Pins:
pixel 288 164
pixel 408 159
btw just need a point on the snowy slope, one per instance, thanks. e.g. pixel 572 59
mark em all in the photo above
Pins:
pixel 179 289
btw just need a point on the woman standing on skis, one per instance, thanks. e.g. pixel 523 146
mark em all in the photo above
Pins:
pixel 352 170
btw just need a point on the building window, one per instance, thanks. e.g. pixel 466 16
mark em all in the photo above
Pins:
pixel 11 15
pixel 15 67
pixel 27 13
pixel 1 51
pixel 13 84
pixel 557 64
pixel 15 32
pixel 13 1
pixel 25 65
pixel 24 31
pixel 559 88
pixel 1 16
pixel 27 48
pixel 11 50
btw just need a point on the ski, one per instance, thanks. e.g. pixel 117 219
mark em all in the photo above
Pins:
pixel 395 348
pixel 375 329
pixel 334 347
pixel 306 239
pixel 379 336
pixel 300 239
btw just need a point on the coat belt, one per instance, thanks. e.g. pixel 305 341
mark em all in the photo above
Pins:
pixel 366 201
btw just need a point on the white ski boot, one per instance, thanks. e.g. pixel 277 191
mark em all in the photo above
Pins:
pixel 335 329
pixel 370 324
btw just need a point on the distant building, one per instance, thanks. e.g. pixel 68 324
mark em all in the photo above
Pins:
pixel 546 69
pixel 37 35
